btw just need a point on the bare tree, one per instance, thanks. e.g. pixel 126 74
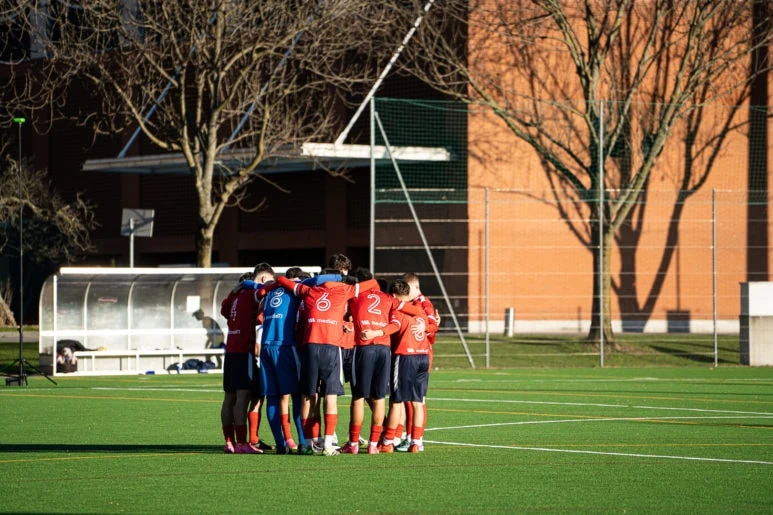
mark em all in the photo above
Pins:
pixel 596 83
pixel 208 78
pixel 55 231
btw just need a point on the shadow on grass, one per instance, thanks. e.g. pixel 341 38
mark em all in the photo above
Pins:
pixel 681 353
pixel 115 448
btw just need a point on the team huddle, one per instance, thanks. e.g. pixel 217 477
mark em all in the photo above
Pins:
pixel 296 339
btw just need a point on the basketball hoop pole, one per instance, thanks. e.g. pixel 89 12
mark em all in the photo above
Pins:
pixel 22 373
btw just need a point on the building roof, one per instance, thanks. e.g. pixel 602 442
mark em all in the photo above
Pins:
pixel 310 156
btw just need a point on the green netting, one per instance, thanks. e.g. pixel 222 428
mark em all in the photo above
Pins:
pixel 424 123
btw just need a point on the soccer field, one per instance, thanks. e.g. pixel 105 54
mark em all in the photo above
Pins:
pixel 509 440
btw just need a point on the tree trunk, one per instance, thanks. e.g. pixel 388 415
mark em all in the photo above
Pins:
pixel 605 309
pixel 204 242
pixel 6 315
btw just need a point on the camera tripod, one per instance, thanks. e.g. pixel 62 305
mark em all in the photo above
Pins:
pixel 23 366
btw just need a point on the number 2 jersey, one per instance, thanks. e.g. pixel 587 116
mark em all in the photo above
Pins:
pixel 372 309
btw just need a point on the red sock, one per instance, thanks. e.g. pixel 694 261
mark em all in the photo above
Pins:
pixel 254 421
pixel 228 433
pixel 241 434
pixel 354 432
pixel 330 424
pixel 389 435
pixel 408 418
pixel 315 427
pixel 286 430
pixel 375 433
pixel 399 430
pixel 418 432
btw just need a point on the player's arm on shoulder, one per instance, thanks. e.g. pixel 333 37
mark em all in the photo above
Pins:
pixel 268 288
pixel 433 318
pixel 355 287
pixel 410 308
pixel 322 278
pixel 293 287
pixel 426 305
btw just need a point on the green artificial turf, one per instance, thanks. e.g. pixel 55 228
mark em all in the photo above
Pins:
pixel 628 350
pixel 542 351
pixel 668 440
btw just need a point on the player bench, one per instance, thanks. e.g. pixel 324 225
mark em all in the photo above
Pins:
pixel 141 361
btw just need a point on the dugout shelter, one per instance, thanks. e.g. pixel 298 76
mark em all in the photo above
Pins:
pixel 135 320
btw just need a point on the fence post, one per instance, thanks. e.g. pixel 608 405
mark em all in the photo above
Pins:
pixel 601 232
pixel 487 283
pixel 714 271
pixel 372 221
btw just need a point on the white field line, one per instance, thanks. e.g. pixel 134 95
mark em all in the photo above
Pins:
pixel 174 389
pixel 605 380
pixel 578 420
pixel 601 453
pixel 208 389
pixel 744 414
pixel 729 414
pixel 598 405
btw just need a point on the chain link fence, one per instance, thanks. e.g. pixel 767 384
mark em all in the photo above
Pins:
pixel 514 270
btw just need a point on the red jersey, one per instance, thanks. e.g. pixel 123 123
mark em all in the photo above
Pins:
pixel 324 307
pixel 407 342
pixel 430 311
pixel 372 309
pixel 348 340
pixel 241 311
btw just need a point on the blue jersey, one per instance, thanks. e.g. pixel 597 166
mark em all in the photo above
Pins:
pixel 280 312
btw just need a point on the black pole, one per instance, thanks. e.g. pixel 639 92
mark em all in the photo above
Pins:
pixel 22 374
pixel 24 366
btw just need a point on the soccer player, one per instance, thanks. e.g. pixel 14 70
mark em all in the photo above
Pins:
pixel 324 307
pixel 333 275
pixel 263 273
pixel 240 308
pixel 338 266
pixel 417 299
pixel 371 309
pixel 410 368
pixel 280 364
